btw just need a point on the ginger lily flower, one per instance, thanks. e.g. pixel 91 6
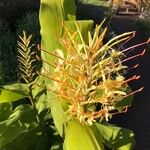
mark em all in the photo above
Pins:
pixel 90 77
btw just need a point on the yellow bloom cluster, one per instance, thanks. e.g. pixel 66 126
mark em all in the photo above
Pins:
pixel 90 76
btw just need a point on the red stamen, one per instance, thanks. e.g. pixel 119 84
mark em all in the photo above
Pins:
pixel 49 77
pixel 38 46
pixel 133 67
pixel 54 92
pixel 53 79
pixel 132 78
pixel 40 49
pixel 124 111
pixel 53 67
pixel 45 62
pixel 137 45
pixel 132 57
pixel 58 57
pixel 137 91
pixel 127 40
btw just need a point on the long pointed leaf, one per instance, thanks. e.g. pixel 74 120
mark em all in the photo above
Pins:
pixel 116 137
pixel 13 92
pixel 81 137
pixel 19 121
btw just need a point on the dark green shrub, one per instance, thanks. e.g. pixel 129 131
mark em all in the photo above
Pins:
pixel 8 41
pixel 30 24
pixel 95 10
pixel 144 26
pixel 7 54
pixel 11 10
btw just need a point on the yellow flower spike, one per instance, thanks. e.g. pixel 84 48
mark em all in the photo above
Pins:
pixel 89 77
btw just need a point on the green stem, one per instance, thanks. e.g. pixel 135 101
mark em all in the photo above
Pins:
pixel 33 104
pixel 31 97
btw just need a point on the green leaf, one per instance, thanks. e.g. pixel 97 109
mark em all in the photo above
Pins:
pixel 29 140
pixel 126 101
pixel 58 113
pixel 69 9
pixel 5 111
pixel 82 137
pixel 42 103
pixel 48 102
pixel 10 96
pixel 84 26
pixel 40 96
pixel 32 139
pixel 116 137
pixel 53 15
pixel 22 119
pixel 51 19
pixel 20 87
pixel 22 131
pixel 13 92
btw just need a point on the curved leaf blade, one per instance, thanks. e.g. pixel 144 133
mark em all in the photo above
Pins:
pixel 22 119
pixel 79 137
pixel 126 101
pixel 58 113
pixel 84 27
pixel 13 92
pixel 116 137
pixel 5 111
